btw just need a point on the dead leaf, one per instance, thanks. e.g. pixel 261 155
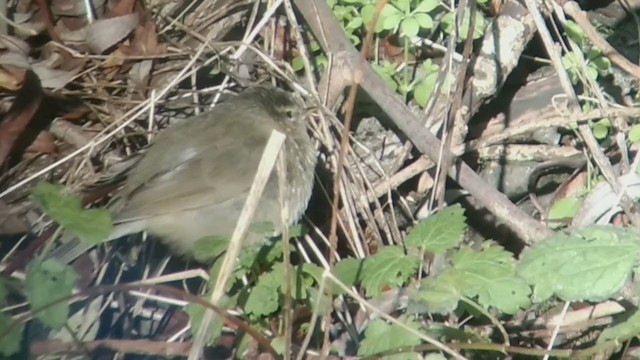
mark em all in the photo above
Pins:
pixel 139 73
pixel 10 79
pixel 145 42
pixel 20 115
pixel 53 78
pixel 43 144
pixel 102 34
pixel 123 7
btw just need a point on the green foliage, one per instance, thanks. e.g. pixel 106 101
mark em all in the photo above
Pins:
pixel 597 64
pixel 449 25
pixel 634 134
pixel 47 282
pixel 210 247
pixel 92 226
pixel 487 275
pixel 565 208
pixel 196 314
pixel 404 23
pixel 380 337
pixel 406 17
pixel 266 297
pixel 440 232
pixel 10 336
pixel 389 267
pixel 623 331
pixel 591 264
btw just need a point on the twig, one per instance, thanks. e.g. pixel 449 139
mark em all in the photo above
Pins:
pixel 573 9
pixel 528 229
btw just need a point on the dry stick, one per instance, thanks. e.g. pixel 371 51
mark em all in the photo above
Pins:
pixel 344 144
pixel 585 131
pixel 267 162
pixel 580 17
pixel 286 251
pixel 528 229
pixel 456 114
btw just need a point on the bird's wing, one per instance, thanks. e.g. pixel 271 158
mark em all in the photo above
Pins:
pixel 197 170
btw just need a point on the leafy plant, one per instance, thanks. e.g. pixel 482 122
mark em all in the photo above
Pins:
pixel 93 225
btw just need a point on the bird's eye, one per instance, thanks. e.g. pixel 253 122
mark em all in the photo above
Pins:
pixel 289 114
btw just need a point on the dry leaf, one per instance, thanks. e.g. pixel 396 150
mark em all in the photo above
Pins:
pixel 53 78
pixel 43 144
pixel 145 42
pixel 22 111
pixel 102 34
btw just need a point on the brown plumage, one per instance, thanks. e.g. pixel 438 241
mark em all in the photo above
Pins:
pixel 195 177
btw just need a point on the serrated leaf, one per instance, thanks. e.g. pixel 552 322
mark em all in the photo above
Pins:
pixel 350 271
pixel 592 264
pixel 389 267
pixel 302 278
pixel 489 275
pixel 262 301
pixel 210 247
pixel 439 232
pixel 437 295
pixel 380 337
pixel 10 340
pixel 48 281
pixel 621 332
pixel 92 226
pixel 565 208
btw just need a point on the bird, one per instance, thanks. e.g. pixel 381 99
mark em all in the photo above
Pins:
pixel 194 178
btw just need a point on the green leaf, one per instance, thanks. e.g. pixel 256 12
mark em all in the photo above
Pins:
pixel 602 64
pixel 424 21
pixel 426 6
pixel 449 25
pixel 389 267
pixel 196 314
pixel 438 295
pixel 575 32
pixel 297 64
pixel 9 339
pixel 3 293
pixel 621 332
pixel 391 21
pixel 634 134
pixel 210 247
pixel 409 27
pixel 592 73
pixel 490 275
pixel 302 279
pixel 380 337
pixel 92 226
pixel 402 5
pixel 565 208
pixel 47 282
pixel 600 130
pixel 263 300
pixel 350 271
pixel 591 264
pixel 439 232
